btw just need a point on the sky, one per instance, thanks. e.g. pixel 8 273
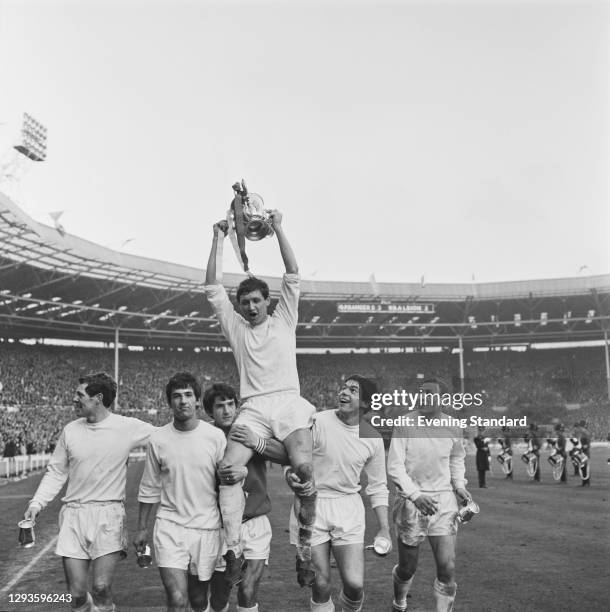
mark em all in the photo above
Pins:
pixel 451 140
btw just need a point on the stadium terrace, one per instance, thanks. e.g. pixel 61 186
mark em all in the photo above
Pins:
pixel 56 285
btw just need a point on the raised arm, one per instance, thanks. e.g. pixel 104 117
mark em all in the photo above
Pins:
pixel 220 231
pixel 290 261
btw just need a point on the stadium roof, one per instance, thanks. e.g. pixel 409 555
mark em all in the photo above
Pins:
pixel 53 284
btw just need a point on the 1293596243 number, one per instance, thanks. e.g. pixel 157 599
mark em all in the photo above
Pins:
pixel 40 597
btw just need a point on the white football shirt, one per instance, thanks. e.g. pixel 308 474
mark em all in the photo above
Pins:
pixel 265 354
pixel 180 475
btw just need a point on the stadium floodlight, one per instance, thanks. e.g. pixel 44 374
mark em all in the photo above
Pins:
pixel 517 320
pixel 33 139
pixel 544 317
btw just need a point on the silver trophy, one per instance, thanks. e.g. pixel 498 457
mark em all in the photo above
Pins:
pixel 253 220
pixel 247 218
pixel 467 511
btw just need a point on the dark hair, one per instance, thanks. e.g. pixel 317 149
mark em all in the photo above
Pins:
pixel 443 387
pixel 182 380
pixel 100 382
pixel 253 284
pixel 225 392
pixel 367 387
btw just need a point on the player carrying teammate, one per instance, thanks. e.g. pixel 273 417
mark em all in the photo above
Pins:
pixel 264 348
pixel 91 454
pixel 343 447
pixel 220 402
pixel 427 466
pixel 180 476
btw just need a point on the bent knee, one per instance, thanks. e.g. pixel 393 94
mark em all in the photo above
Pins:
pixel 247 595
pixel 354 589
pixel 446 572
pixel 177 599
pixel 199 601
pixel 353 592
pixel 322 582
pixel 100 590
pixel 305 472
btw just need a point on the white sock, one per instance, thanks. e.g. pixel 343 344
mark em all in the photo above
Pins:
pixel 232 503
pixel 444 595
pixel 401 588
pixel 350 605
pixel 325 606
pixel 254 608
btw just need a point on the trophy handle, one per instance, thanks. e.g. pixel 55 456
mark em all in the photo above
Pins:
pixel 238 216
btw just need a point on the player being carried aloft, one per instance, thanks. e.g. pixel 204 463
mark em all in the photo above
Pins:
pixel 264 347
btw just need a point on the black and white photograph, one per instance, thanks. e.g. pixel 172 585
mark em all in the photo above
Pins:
pixel 304 306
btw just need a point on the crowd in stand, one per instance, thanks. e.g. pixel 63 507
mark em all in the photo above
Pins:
pixel 38 382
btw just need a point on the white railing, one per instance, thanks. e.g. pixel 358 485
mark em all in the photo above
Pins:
pixel 22 466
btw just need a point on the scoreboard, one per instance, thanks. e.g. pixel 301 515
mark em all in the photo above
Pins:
pixel 388 308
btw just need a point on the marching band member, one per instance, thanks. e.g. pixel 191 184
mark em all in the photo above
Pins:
pixel 533 447
pixel 482 456
pixel 560 444
pixel 581 453
pixel 427 466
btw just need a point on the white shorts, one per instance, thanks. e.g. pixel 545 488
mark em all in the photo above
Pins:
pixel 194 550
pixel 339 520
pixel 276 415
pixel 255 540
pixel 412 526
pixel 92 530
